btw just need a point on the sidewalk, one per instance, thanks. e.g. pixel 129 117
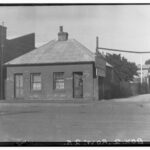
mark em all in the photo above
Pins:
pixel 138 98
pixel 34 102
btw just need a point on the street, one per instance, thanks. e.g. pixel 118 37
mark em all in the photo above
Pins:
pixel 123 119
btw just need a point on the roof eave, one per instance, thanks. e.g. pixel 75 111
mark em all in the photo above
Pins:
pixel 43 64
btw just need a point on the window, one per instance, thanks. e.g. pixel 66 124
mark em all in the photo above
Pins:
pixel 36 82
pixel 58 80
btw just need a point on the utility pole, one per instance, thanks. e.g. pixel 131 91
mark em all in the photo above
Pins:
pixel 124 51
pixel 134 52
pixel 141 71
pixel 97 53
pixel 97 44
pixel 2 49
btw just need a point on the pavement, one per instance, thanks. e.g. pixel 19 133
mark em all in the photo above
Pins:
pixel 110 120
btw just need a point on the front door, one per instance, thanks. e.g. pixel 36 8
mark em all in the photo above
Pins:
pixel 101 87
pixel 18 86
pixel 77 84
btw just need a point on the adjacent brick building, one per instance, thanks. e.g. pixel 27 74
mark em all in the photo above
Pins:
pixel 12 48
pixel 62 69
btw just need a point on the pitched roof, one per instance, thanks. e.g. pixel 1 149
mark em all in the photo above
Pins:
pixel 56 52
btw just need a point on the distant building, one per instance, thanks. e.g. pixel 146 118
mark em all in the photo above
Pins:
pixel 145 74
pixel 12 48
pixel 62 69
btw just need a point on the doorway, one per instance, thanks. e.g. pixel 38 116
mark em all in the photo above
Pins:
pixel 18 86
pixel 78 85
pixel 101 87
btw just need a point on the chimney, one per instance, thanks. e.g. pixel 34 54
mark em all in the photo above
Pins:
pixel 62 36
pixel 2 33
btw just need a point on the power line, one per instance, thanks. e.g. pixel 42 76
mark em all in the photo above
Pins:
pixel 124 51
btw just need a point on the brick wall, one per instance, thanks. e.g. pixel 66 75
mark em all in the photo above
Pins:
pixel 47 81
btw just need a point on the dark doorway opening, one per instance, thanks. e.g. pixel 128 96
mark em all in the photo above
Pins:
pixel 77 85
pixel 101 87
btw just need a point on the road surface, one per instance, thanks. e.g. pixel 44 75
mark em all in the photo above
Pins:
pixel 121 119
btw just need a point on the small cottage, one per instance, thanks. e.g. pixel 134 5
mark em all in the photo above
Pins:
pixel 62 69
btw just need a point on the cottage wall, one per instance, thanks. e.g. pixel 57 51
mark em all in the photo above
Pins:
pixel 47 92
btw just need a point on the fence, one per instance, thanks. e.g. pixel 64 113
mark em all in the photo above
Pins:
pixel 125 89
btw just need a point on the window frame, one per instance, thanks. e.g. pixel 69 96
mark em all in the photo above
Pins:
pixel 33 82
pixel 57 80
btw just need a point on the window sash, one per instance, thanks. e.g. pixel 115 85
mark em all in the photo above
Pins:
pixel 36 82
pixel 58 80
pixel 59 84
pixel 36 86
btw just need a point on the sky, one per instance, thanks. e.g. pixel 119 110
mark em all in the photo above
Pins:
pixel 124 27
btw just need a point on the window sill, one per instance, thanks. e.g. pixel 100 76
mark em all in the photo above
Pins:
pixel 34 91
pixel 59 90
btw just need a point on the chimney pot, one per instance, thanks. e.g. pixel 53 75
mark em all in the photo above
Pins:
pixel 61 28
pixel 62 36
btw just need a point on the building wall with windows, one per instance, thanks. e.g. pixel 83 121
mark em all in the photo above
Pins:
pixel 49 82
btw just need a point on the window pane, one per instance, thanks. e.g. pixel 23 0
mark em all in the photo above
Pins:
pixel 37 78
pixel 58 80
pixel 36 86
pixel 59 85
pixel 36 81
pixel 59 75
